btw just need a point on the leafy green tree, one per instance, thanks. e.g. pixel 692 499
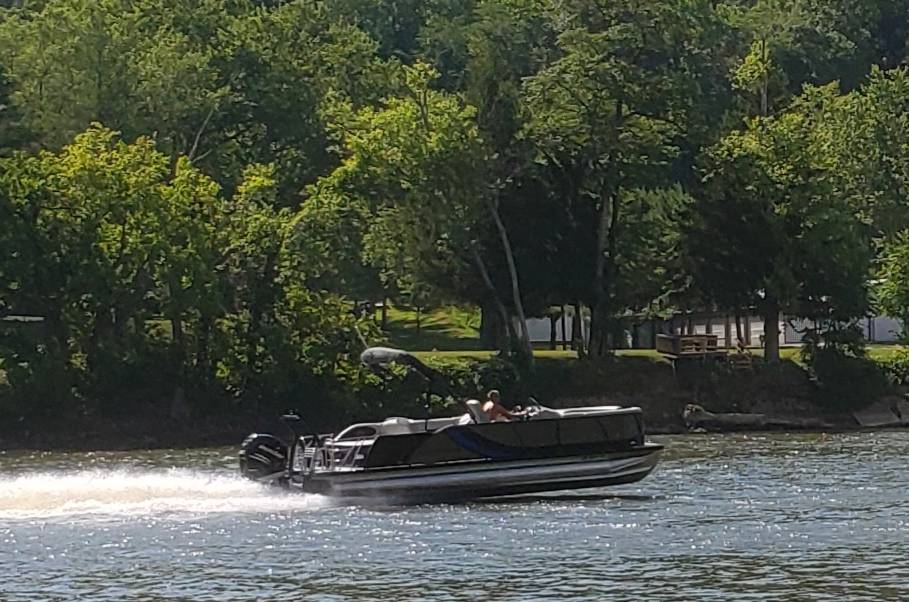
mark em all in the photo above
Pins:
pixel 893 288
pixel 611 114
pixel 420 162
pixel 279 65
pixel 770 25
pixel 115 62
pixel 864 136
pixel 394 25
pixel 91 227
pixel 774 228
pixel 13 133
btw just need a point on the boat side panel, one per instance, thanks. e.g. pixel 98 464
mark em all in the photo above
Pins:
pixel 486 479
pixel 510 441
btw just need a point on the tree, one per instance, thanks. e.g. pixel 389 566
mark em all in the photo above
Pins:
pixel 119 63
pixel 612 113
pixel 279 64
pixel 93 227
pixel 420 163
pixel 864 136
pixel 893 289
pixel 770 25
pixel 773 228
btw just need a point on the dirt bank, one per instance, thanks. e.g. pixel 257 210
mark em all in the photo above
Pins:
pixel 779 397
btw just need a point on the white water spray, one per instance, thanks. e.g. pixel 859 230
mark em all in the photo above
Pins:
pixel 141 493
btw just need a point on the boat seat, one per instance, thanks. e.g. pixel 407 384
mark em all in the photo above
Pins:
pixel 475 409
pixel 544 413
pixel 363 430
pixel 588 411
pixel 397 426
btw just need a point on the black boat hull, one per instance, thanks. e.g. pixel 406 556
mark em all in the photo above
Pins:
pixel 487 478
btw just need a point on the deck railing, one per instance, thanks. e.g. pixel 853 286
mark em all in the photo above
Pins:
pixel 687 344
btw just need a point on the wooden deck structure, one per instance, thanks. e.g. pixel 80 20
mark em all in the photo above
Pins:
pixel 688 345
pixel 702 347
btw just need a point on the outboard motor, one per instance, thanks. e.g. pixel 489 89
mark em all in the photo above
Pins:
pixel 264 458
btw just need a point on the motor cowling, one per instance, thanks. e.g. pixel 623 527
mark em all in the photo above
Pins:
pixel 264 458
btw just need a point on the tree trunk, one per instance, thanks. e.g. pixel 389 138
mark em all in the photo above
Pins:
pixel 492 330
pixel 203 346
pixel 599 315
pixel 501 310
pixel 486 341
pixel 772 332
pixel 553 333
pixel 606 247
pixel 564 333
pixel 178 406
pixel 577 332
pixel 524 346
pixel 385 313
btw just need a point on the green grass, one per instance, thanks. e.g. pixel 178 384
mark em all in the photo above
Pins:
pixel 480 354
pixel 882 352
pixel 876 352
pixel 443 329
pixel 453 331
pixel 539 354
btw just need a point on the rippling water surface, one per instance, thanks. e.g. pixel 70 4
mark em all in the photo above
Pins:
pixel 775 517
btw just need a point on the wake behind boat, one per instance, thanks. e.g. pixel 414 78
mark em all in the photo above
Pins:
pixel 457 458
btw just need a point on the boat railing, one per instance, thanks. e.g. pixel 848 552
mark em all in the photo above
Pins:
pixel 328 455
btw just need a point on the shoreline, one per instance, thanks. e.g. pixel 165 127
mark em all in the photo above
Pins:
pixel 188 438
pixel 687 399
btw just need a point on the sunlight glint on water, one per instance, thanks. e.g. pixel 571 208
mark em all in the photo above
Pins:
pixel 764 517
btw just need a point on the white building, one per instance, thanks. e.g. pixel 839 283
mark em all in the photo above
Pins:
pixel 880 329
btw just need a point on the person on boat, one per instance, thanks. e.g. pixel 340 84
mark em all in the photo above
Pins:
pixel 496 411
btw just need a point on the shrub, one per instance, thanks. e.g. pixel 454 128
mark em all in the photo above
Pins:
pixel 896 367
pixel 847 382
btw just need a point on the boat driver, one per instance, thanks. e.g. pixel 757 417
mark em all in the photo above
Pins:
pixel 496 411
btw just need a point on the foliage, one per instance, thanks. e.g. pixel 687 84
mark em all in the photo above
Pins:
pixel 893 289
pixel 613 113
pixel 847 382
pixel 896 367
pixel 846 377
pixel 195 194
pixel 109 237
pixel 773 229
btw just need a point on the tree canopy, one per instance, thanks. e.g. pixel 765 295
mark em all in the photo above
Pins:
pixel 216 186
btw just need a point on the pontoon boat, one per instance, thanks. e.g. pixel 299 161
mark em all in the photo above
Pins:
pixel 457 458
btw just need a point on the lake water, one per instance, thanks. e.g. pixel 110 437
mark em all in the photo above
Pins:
pixel 734 517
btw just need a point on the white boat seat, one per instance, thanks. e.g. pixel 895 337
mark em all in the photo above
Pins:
pixel 588 411
pixel 363 430
pixel 544 413
pixel 397 426
pixel 475 409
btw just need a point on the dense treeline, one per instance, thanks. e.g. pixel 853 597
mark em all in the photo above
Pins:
pixel 194 193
